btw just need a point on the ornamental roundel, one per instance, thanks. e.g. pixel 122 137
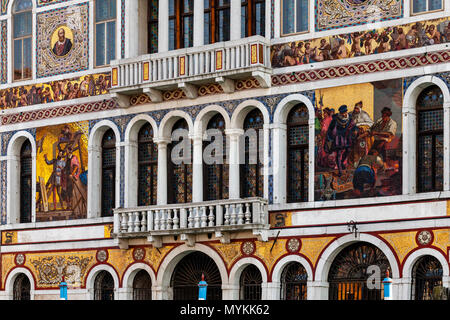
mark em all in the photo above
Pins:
pixel 248 248
pixel 138 254
pixel 101 256
pixel 424 237
pixel 20 259
pixel 293 245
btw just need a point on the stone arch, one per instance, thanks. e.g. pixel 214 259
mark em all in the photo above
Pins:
pixel 93 273
pixel 328 256
pixel 205 115
pixel 13 175
pixel 241 111
pixel 280 144
pixel 166 124
pixel 409 131
pixel 408 265
pixel 236 272
pixel 9 282
pixel 131 156
pixel 280 266
pixel 130 274
pixel 169 263
pixel 94 162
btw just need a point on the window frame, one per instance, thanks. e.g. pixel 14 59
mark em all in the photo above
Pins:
pixel 21 38
pixel 152 164
pixel 411 4
pixel 213 12
pixel 112 167
pixel 150 22
pixel 178 18
pixel 282 34
pixel 250 20
pixel 105 22
pixel 26 155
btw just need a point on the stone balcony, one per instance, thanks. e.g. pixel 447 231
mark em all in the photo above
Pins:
pixel 220 218
pixel 220 63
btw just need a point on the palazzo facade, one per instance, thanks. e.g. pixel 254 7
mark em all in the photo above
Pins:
pixel 327 121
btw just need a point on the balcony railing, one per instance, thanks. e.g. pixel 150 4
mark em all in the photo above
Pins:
pixel 233 59
pixel 219 217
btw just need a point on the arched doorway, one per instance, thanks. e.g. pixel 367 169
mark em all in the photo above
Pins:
pixel 104 286
pixel 349 274
pixel 142 286
pixel 22 288
pixel 426 275
pixel 293 282
pixel 188 273
pixel 250 283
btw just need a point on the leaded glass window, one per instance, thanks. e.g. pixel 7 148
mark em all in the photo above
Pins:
pixel 252 182
pixel 427 274
pixel 147 166
pixel 250 283
pixel 294 16
pixel 216 175
pixel 181 24
pixel 22 35
pixel 421 6
pixel 297 154
pixel 430 140
pixel 108 193
pixel 253 18
pixel 180 171
pixel 293 282
pixel 349 276
pixel 216 21
pixel 105 32
pixel 153 26
pixel 25 182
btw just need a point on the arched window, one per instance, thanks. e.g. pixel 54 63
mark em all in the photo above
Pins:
pixel 252 182
pixel 22 35
pixel 147 166
pixel 215 175
pixel 105 32
pixel 297 154
pixel 348 276
pixel 181 24
pixel 180 166
pixel 188 273
pixel 216 21
pixel 427 275
pixel 250 283
pixel 142 286
pixel 104 286
pixel 25 182
pixel 152 20
pixel 253 18
pixel 293 282
pixel 22 288
pixel 108 173
pixel 430 140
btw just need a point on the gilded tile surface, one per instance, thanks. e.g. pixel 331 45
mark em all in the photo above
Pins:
pixel 402 242
pixel 313 247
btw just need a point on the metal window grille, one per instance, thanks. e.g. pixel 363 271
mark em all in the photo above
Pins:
pixel 294 282
pixel 250 284
pixel 104 286
pixel 108 173
pixel 22 288
pixel 427 274
pixel 142 286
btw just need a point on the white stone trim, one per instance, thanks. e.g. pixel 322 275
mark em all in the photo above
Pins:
pixel 93 273
pixel 236 272
pixel 9 282
pixel 130 274
pixel 94 166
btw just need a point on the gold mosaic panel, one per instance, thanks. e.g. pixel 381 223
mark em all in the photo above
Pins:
pixel 401 242
pixel 229 252
pixel 442 239
pixel 268 254
pixel 313 247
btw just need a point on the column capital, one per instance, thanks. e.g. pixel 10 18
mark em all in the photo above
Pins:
pixel 163 141
pixel 234 132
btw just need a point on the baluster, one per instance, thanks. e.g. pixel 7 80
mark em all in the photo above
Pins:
pixel 191 218
pixel 169 219
pixel 240 214
pixel 227 214
pixel 233 214
pixel 143 221
pixel 137 223
pixel 197 217
pixel 130 221
pixel 219 215
pixel 175 220
pixel 211 216
pixel 170 68
pixel 248 214
pixel 183 218
pixel 204 218
pixel 156 219
pixel 162 220
pixel 124 222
